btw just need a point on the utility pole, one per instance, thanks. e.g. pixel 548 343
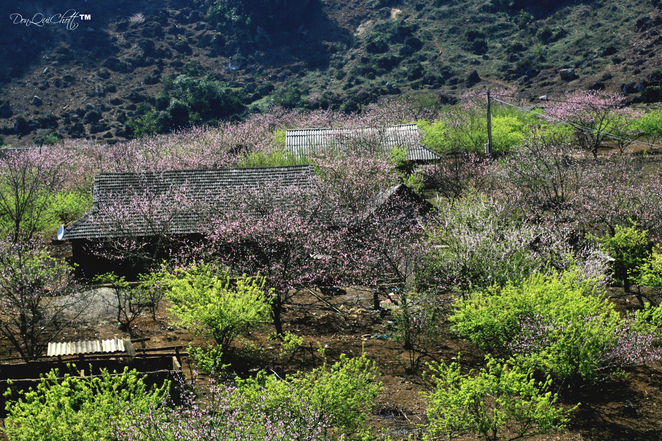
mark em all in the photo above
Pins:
pixel 488 146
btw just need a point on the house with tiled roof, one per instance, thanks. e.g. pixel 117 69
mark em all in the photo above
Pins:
pixel 139 218
pixel 145 206
pixel 303 143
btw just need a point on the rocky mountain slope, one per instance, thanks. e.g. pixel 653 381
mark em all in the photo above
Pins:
pixel 127 68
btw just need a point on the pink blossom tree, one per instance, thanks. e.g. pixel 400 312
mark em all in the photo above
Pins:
pixel 618 191
pixel 278 238
pixel 323 234
pixel 141 225
pixel 595 116
pixel 38 297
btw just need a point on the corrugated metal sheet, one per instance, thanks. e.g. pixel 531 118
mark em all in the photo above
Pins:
pixel 304 142
pixel 85 347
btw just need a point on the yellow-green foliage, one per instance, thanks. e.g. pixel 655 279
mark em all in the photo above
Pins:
pixel 279 137
pixel 507 132
pixel 649 125
pixel 274 158
pixel 68 206
pixel 578 324
pixel 74 408
pixel 649 273
pixel 214 305
pixel 344 392
pixel 435 135
pixel 497 403
pixel 629 248
pixel 469 133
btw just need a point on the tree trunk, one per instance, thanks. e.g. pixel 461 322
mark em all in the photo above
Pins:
pixel 276 313
pixel 626 283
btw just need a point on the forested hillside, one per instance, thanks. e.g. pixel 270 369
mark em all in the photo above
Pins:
pixel 138 67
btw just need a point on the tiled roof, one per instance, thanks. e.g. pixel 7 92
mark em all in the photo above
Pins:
pixel 304 142
pixel 115 196
pixel 398 198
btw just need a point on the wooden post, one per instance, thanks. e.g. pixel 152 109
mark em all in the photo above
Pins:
pixel 488 146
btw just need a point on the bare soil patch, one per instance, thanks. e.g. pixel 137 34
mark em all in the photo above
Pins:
pixel 623 409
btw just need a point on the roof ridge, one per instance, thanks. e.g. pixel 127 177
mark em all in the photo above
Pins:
pixel 194 170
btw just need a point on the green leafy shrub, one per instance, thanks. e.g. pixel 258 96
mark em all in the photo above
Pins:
pixel 405 169
pixel 435 135
pixel 274 158
pixel 289 97
pixel 465 129
pixel 419 318
pixel 554 324
pixel 650 315
pixel 51 138
pixel 179 113
pixel 498 403
pixel 79 408
pixel 507 132
pixel 208 359
pixel 279 138
pixel 649 125
pixel 649 273
pixel 211 304
pixel 144 125
pixel 629 248
pixel 69 206
pixel 206 96
pixel 344 392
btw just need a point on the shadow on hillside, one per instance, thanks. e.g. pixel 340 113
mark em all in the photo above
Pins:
pixel 35 33
pixel 94 41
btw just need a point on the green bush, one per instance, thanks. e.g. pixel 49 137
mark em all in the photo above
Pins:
pixel 507 132
pixel 213 305
pixel 79 408
pixel 498 403
pixel 145 125
pixel 51 138
pixel 206 96
pixel 465 130
pixel 649 125
pixel 435 135
pixel 274 158
pixel 629 248
pixel 554 324
pixel 69 206
pixel 289 97
pixel 179 113
pixel 649 273
pixel 344 392
pixel 650 315
pixel 279 138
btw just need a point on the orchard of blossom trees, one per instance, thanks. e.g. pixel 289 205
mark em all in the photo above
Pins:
pixel 523 243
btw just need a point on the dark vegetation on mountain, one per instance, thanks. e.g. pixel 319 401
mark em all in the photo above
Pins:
pixel 140 67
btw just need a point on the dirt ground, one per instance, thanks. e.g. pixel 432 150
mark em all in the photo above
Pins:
pixel 344 322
